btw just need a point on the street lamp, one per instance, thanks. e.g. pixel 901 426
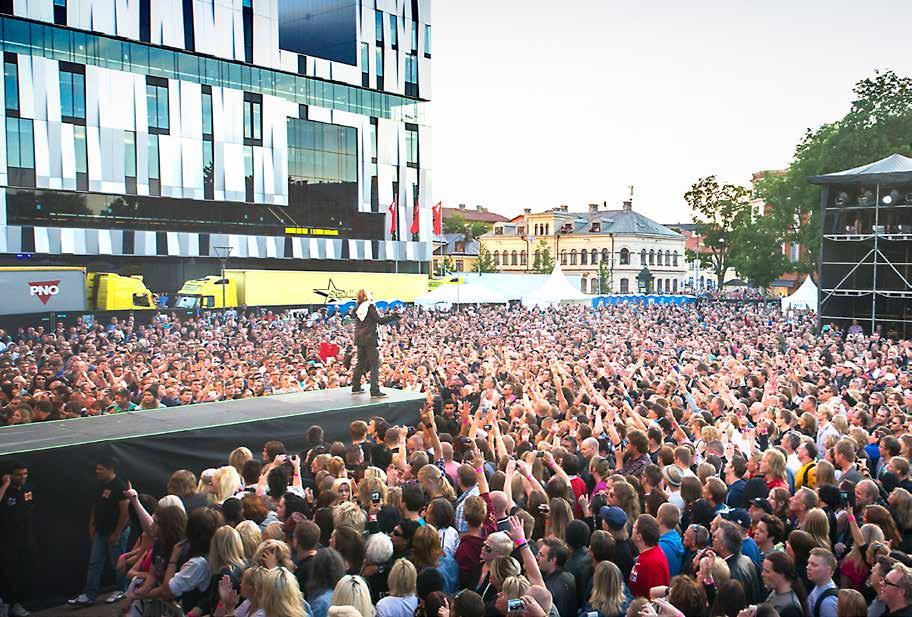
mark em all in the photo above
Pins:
pixel 223 253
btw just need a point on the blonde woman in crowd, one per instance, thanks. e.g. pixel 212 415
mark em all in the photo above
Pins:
pixel 281 596
pixel 226 482
pixel 401 601
pixel 251 536
pixel 238 457
pixel 352 591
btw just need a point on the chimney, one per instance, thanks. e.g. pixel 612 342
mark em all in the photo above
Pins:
pixel 563 208
pixel 479 208
pixel 593 208
pixel 462 206
pixel 527 210
pixel 628 205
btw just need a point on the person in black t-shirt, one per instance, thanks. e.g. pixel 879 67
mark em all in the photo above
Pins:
pixel 16 505
pixel 108 531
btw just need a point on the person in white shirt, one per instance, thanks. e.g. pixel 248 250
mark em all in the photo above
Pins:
pixel 402 599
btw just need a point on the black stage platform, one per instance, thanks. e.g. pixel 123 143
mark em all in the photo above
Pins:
pixel 150 445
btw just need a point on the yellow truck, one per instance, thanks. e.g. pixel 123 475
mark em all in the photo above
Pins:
pixel 296 288
pixel 70 289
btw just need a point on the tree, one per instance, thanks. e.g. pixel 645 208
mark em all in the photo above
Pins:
pixel 457 224
pixel 543 262
pixel 485 261
pixel 446 265
pixel 719 209
pixel 878 124
pixel 606 278
pixel 757 252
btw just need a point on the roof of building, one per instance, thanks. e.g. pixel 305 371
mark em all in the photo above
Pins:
pixel 471 247
pixel 617 222
pixel 474 215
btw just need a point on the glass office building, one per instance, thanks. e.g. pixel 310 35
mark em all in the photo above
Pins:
pixel 139 137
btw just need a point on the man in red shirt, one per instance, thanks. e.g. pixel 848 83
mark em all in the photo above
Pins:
pixel 651 566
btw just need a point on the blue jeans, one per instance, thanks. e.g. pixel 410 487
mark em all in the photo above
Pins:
pixel 102 553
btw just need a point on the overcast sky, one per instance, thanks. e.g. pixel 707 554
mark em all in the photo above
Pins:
pixel 541 103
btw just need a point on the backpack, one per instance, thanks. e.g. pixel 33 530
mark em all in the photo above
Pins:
pixel 828 593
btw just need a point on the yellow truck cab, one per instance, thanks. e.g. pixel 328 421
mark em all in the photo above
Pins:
pixel 207 292
pixel 111 292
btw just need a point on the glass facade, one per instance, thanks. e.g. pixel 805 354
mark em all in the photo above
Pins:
pixel 20 152
pixel 157 106
pixel 72 92
pixel 44 40
pixel 11 82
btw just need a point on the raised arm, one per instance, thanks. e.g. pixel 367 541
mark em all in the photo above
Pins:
pixel 530 565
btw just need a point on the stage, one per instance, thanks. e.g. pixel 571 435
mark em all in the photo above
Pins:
pixel 150 445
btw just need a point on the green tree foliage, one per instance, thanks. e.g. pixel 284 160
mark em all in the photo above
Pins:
pixel 878 124
pixel 543 262
pixel 445 265
pixel 485 261
pixel 719 211
pixel 606 282
pixel 457 224
pixel 756 253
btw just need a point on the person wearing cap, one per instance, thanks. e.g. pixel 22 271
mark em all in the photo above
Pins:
pixel 749 547
pixel 614 521
pixel 671 477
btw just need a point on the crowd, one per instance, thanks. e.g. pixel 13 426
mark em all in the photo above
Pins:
pixel 665 460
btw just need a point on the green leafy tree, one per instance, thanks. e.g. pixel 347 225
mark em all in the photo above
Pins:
pixel 485 261
pixel 445 265
pixel 543 262
pixel 457 224
pixel 878 124
pixel 757 251
pixel 719 209
pixel 606 280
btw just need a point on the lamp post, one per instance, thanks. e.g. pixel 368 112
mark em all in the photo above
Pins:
pixel 223 253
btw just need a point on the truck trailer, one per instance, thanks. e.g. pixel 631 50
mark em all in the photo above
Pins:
pixel 68 290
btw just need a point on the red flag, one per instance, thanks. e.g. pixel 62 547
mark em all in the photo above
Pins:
pixel 394 217
pixel 414 228
pixel 438 218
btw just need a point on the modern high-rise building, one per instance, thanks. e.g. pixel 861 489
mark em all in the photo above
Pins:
pixel 157 136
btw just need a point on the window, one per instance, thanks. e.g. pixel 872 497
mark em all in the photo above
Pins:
pixel 394 32
pixel 564 257
pixel 675 260
pixel 459 265
pixel 625 257
pixel 496 258
pixel 154 166
pixel 411 145
pixel 593 257
pixel 414 37
pixel 537 256
pixel 594 287
pixel 652 257
pixel 82 163
pixel 72 92
pixel 6 7
pixel 514 258
pixel 411 75
pixel 130 162
pixel 207 111
pixel 523 258
pixel 145 21
pixel 365 65
pixel 60 12
pixel 247 15
pixel 643 257
pixel 11 83
pixel 427 41
pixel 378 16
pixel 189 34
pixel 675 285
pixel 20 152
pixel 795 252
pixel 659 285
pixel 248 174
pixel 667 258
pixel 157 105
pixel 253 119
pixel 624 286
pixel 584 286
pixel 373 140
pixel 606 256
pixel 584 257
pixel 208 171
pixel 379 59
pixel 573 257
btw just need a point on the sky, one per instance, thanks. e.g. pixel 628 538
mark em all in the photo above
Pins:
pixel 537 104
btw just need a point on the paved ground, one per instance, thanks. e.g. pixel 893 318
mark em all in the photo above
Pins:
pixel 100 609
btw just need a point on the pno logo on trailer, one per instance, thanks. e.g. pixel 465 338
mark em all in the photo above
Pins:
pixel 44 289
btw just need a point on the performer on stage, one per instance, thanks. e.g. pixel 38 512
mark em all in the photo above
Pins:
pixel 367 340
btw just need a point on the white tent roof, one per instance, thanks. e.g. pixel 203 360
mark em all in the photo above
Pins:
pixel 554 290
pixel 805 297
pixel 467 293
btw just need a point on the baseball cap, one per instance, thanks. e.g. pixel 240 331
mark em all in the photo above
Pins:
pixel 740 516
pixel 613 516
pixel 763 504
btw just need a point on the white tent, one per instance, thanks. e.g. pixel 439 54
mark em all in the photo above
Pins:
pixel 555 290
pixel 805 297
pixel 467 293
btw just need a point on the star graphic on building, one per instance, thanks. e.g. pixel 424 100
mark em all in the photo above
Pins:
pixel 331 293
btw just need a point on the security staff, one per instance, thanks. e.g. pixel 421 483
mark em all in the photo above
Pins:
pixel 16 508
